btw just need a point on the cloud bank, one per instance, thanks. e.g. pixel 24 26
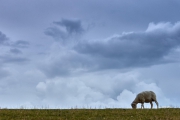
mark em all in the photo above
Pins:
pixel 134 49
pixel 125 51
pixel 88 91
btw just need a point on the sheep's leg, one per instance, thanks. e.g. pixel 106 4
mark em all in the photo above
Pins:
pixel 151 105
pixel 142 105
pixel 157 103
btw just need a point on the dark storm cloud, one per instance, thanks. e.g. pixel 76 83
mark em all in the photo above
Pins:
pixel 8 44
pixel 134 49
pixel 56 33
pixel 65 29
pixel 72 26
pixel 21 44
pixel 15 51
pixel 3 38
pixel 13 59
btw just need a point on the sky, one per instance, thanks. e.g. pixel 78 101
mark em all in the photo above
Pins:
pixel 88 54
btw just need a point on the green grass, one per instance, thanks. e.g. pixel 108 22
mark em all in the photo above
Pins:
pixel 90 114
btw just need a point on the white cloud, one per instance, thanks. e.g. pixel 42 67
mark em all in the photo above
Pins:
pixel 125 98
pixel 95 90
pixel 166 26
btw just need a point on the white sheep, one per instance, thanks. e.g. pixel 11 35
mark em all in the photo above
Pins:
pixel 145 96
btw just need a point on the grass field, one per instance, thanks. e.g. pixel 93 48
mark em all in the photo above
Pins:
pixel 90 114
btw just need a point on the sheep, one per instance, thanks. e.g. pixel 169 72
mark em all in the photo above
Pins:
pixel 145 96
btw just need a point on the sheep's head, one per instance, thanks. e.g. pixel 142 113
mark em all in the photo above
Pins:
pixel 133 105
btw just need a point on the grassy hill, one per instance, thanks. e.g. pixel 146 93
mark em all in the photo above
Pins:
pixel 90 114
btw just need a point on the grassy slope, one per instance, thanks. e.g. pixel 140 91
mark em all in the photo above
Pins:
pixel 90 114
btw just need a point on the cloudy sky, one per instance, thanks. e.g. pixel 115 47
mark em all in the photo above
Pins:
pixel 88 54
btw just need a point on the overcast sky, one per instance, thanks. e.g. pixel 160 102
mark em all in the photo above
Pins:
pixel 88 54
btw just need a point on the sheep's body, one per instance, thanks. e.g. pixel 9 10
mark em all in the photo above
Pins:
pixel 145 97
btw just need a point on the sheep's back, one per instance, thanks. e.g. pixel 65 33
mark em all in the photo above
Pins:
pixel 146 96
